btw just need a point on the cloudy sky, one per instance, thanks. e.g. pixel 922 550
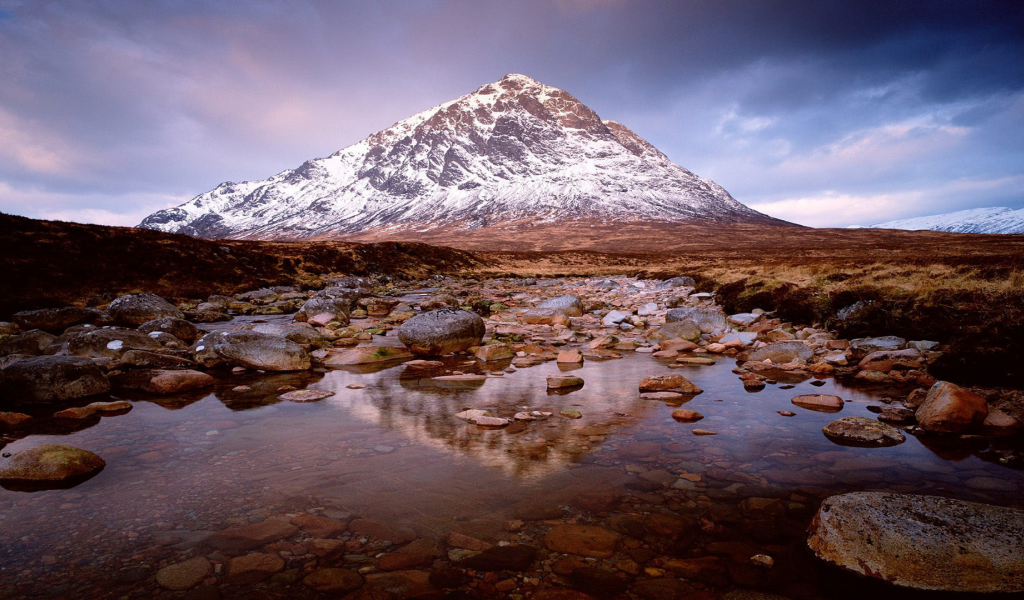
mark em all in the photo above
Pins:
pixel 823 113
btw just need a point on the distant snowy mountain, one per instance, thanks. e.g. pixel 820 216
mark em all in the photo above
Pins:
pixel 997 219
pixel 512 150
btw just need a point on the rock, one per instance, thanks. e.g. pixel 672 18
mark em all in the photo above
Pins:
pixel 684 415
pixel 365 355
pixel 600 582
pixel 561 382
pixel 517 557
pixel 49 466
pixel 143 359
pixel 403 584
pixel 442 331
pixel 781 352
pixel 110 342
pixel 135 309
pixel 819 402
pixel 703 432
pixel 383 531
pixel 862 431
pixel 439 301
pixel 709 320
pixel 683 330
pixel 255 535
pixel 922 542
pixel 492 422
pixel 33 343
pixel 306 395
pixel 678 345
pixel 647 309
pixel 950 408
pixel 669 383
pixel 319 526
pixel 995 418
pixel 248 569
pixel 56 320
pixel 543 316
pixel 13 420
pixel 471 415
pixel 696 360
pixel 45 379
pixel 164 381
pixel 88 410
pixel 179 328
pixel 184 575
pixel 570 357
pixel 570 413
pixel 738 339
pixel 887 360
pixel 615 317
pixel 334 301
pixel 675 282
pixel 335 580
pixel 583 540
pixel 570 306
pixel 252 350
pixel 494 352
pixel 661 588
pixel 744 319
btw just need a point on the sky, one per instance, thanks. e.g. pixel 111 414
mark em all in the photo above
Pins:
pixel 828 114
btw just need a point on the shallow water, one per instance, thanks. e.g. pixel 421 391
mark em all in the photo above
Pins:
pixel 393 451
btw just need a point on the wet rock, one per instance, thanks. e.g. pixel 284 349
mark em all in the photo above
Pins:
pixel 502 558
pixel 696 360
pixel 442 331
pixel 163 381
pixel 781 352
pixel 49 466
pixel 861 347
pixel 949 408
pixel 669 383
pixel 703 432
pixel 84 412
pixel 334 580
pixel 45 379
pixel 251 568
pixel 179 328
pixel 33 343
pixel 682 330
pixel 570 413
pixel 684 415
pixel 404 584
pixel 569 305
pixel 383 531
pixel 819 402
pixel 570 357
pixel 583 540
pixel 56 320
pixel 13 420
pixel 334 301
pixel 248 537
pixel 365 355
pixel 887 360
pixel 561 382
pixel 922 542
pixel 306 395
pixel 709 320
pixel 738 338
pixel 862 431
pixel 184 575
pixel 997 418
pixel 252 350
pixel 135 309
pixel 110 342
pixel 494 352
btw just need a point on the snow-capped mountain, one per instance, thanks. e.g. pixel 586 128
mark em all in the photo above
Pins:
pixel 514 149
pixel 998 219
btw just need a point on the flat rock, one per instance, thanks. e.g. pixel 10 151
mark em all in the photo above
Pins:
pixel 306 395
pixel 179 328
pixel 184 575
pixel 319 526
pixel 50 466
pixel 164 381
pixel 922 542
pixel 782 352
pixel 252 350
pixel 558 382
pixel 135 309
pixel 709 320
pixel 251 568
pixel 819 402
pixel 684 415
pixel 383 531
pixel 56 320
pixel 494 352
pixel 862 431
pixel 669 383
pixel 248 537
pixel 583 540
pixel 569 305
pixel 365 355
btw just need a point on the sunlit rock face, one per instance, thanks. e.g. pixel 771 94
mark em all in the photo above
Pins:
pixel 514 149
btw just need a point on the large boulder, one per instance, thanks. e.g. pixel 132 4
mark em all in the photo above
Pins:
pixel 32 342
pixel 781 352
pixel 44 379
pixel 179 328
pixel 922 542
pixel 48 467
pixel 335 301
pixel 949 408
pixel 683 330
pixel 135 309
pixel 442 331
pixel 708 319
pixel 570 305
pixel 300 333
pixel 250 349
pixel 57 319
pixel 110 342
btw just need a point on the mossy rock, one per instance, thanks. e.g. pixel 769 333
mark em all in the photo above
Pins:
pixel 51 466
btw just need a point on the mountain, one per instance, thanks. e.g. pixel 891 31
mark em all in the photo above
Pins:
pixel 513 150
pixel 997 219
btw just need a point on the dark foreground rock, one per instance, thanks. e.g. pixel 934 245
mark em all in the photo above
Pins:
pixel 51 379
pixel 49 466
pixel 949 408
pixel 922 542
pixel 135 309
pixel 442 331
pixel 56 320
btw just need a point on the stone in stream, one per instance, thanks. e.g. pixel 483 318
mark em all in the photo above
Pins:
pixel 44 379
pixel 306 395
pixel 683 330
pixel 50 466
pixel 781 352
pixel 338 581
pixel 570 357
pixel 516 557
pixel 571 413
pixel 184 575
pixel 569 305
pixel 709 320
pixel 684 415
pixel 163 381
pixel 887 360
pixel 738 338
pixel 494 352
pixel 669 383
pixel 84 412
pixel 251 568
pixel 819 402
pixel 703 432
pixel 562 382
pixel 364 355
pixel 442 331
pixel 179 328
pixel 862 431
pixel 583 540
pixel 135 309
pixel 249 537
pixel 949 408
pixel 252 350
pixel 615 317
pixel 334 301
pixel 922 542
pixel 695 360
pixel 56 320
pixel 110 342
pixel 13 420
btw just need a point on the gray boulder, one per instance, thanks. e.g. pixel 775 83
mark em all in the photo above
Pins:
pixel 442 331
pixel 250 349
pixel 135 309
pixel 685 330
pixel 862 431
pixel 782 352
pixel 58 319
pixel 43 379
pixel 110 342
pixel 708 319
pixel 861 347
pixel 336 301
pixel 677 282
pixel 569 305
pixel 922 542
pixel 179 328
pixel 300 333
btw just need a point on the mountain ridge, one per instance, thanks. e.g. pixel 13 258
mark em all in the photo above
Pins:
pixel 513 149
pixel 995 219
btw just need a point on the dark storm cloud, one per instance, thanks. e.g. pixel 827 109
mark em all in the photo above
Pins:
pixel 822 112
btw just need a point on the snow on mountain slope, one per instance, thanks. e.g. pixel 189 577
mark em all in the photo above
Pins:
pixel 513 149
pixel 997 219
